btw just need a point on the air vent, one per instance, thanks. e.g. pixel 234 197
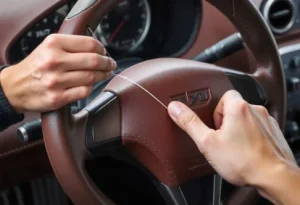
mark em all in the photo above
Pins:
pixel 280 15
pixel 42 191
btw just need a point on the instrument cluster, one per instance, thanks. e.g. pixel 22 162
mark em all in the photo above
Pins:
pixel 134 29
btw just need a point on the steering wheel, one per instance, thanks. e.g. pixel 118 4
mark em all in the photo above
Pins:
pixel 125 115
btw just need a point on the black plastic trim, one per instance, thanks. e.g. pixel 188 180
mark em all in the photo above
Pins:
pixel 105 146
pixel 173 195
pixel 98 145
pixel 222 49
pixel 100 102
pixel 248 87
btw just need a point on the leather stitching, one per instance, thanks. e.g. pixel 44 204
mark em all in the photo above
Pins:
pixel 158 153
pixel 20 149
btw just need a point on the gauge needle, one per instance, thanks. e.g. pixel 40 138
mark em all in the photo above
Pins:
pixel 116 31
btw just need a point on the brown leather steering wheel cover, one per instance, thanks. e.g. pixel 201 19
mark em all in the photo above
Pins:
pixel 59 127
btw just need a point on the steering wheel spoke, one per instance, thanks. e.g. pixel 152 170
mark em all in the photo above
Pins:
pixel 103 130
pixel 206 189
pixel 247 86
pixel 172 195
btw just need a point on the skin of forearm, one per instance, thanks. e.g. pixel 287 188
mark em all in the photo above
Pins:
pixel 281 184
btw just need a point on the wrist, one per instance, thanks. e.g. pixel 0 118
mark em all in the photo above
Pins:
pixel 266 171
pixel 276 181
pixel 8 86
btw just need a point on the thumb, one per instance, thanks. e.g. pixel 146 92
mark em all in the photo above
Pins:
pixel 187 120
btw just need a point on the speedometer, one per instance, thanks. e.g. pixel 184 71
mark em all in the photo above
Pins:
pixel 36 35
pixel 126 27
pixel 33 37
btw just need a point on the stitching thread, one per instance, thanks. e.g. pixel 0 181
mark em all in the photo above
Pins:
pixel 17 150
pixel 159 154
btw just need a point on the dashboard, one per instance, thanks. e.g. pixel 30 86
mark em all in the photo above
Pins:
pixel 153 28
pixel 135 29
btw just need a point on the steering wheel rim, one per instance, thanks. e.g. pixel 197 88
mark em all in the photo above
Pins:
pixel 67 153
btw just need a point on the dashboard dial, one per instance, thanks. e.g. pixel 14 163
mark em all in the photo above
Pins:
pixel 126 27
pixel 36 35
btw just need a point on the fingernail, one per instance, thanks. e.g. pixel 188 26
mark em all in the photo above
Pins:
pixel 104 51
pixel 109 75
pixel 113 64
pixel 175 109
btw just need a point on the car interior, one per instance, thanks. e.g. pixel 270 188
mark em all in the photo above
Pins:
pixel 119 146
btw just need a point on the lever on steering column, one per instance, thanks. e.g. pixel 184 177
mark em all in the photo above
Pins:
pixel 223 48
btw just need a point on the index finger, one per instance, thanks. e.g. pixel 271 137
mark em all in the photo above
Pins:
pixel 77 43
pixel 225 105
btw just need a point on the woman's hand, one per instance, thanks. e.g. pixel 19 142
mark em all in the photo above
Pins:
pixel 246 148
pixel 246 144
pixel 61 70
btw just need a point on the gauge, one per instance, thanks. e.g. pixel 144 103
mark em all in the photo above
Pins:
pixel 125 27
pixel 36 35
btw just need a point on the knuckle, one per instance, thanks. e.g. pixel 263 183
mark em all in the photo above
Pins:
pixel 262 110
pixel 85 92
pixel 241 106
pixel 188 120
pixel 53 100
pixel 230 92
pixel 51 82
pixel 95 61
pixel 51 40
pixel 50 61
pixel 93 45
pixel 90 77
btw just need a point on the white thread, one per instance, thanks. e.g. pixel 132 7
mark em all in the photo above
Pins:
pixel 126 78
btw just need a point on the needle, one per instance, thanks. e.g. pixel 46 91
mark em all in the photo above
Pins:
pixel 116 31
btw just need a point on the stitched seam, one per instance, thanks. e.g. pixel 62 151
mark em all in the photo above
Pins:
pixel 158 153
pixel 17 150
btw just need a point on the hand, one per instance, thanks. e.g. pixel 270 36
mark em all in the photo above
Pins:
pixel 61 70
pixel 247 141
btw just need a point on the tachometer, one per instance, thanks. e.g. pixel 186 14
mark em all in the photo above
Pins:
pixel 126 27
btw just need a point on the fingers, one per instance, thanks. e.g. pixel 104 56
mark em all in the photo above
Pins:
pixel 187 120
pixel 83 78
pixel 76 93
pixel 89 61
pixel 230 102
pixel 83 53
pixel 75 44
pixel 73 79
